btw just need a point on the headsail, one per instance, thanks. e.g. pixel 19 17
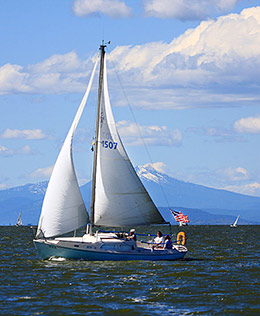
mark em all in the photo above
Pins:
pixel 63 208
pixel 120 197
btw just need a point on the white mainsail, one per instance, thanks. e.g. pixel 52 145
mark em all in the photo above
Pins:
pixel 63 208
pixel 120 197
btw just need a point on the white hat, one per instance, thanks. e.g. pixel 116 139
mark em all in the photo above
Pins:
pixel 132 230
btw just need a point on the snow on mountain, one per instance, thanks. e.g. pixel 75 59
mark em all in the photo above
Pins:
pixel 205 205
pixel 169 192
pixel 34 188
pixel 150 174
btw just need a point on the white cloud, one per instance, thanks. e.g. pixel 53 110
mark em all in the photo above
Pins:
pixel 137 135
pixel 215 64
pixel 69 62
pixel 26 150
pixel 234 174
pixel 248 189
pixel 112 8
pixel 12 79
pixel 186 9
pixel 248 125
pixel 42 172
pixel 6 152
pixel 58 73
pixel 23 134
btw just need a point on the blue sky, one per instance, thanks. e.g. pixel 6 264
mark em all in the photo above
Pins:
pixel 188 70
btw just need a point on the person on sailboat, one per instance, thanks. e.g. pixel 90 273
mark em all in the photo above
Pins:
pixel 168 242
pixel 132 235
pixel 158 240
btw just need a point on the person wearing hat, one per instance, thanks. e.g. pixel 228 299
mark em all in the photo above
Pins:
pixel 132 235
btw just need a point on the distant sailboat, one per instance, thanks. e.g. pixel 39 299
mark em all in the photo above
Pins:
pixel 235 222
pixel 118 197
pixel 19 220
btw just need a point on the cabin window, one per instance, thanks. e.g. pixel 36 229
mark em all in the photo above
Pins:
pixel 108 247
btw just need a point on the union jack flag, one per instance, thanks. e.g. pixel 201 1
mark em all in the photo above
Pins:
pixel 179 217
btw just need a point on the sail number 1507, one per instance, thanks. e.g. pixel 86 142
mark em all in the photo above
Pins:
pixel 107 144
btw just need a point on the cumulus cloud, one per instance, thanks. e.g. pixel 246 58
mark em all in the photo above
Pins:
pixel 7 152
pixel 137 135
pixel 209 63
pixel 42 172
pixel 186 9
pixel 234 174
pixel 248 189
pixel 112 8
pixel 57 74
pixel 69 62
pixel 23 134
pixel 13 79
pixel 215 64
pixel 248 125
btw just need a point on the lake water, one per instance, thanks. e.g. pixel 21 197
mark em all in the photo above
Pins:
pixel 220 276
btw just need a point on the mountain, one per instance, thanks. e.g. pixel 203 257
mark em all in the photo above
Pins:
pixel 167 191
pixel 202 204
pixel 27 199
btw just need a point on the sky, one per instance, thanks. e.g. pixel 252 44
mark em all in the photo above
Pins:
pixel 183 78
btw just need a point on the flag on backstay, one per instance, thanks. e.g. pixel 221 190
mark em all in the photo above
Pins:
pixel 179 216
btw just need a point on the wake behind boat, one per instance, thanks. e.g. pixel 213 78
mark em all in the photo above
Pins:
pixel 118 198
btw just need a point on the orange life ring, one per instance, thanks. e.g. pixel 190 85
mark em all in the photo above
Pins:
pixel 181 238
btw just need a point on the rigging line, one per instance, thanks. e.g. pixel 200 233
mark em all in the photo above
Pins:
pixel 138 128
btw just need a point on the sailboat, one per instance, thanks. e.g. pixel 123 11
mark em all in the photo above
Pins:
pixel 118 197
pixel 19 220
pixel 235 222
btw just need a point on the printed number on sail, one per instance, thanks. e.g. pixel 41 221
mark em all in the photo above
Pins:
pixel 110 145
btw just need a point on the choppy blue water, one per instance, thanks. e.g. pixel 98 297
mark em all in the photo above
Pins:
pixel 220 276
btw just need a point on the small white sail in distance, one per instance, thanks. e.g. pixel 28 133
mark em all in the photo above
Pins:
pixel 63 209
pixel 120 197
pixel 19 220
pixel 235 223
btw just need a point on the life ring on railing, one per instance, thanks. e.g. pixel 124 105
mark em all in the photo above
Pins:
pixel 181 238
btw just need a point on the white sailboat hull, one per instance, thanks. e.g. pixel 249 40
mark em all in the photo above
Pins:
pixel 93 249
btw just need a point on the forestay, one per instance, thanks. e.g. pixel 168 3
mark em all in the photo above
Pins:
pixel 63 208
pixel 120 197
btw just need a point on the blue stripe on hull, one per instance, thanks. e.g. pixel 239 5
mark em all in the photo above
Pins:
pixel 46 251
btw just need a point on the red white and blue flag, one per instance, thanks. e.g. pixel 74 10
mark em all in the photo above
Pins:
pixel 179 217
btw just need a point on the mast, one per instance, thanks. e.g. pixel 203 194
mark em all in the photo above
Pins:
pixel 100 89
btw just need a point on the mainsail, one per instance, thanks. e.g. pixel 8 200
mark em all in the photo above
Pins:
pixel 63 208
pixel 120 197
